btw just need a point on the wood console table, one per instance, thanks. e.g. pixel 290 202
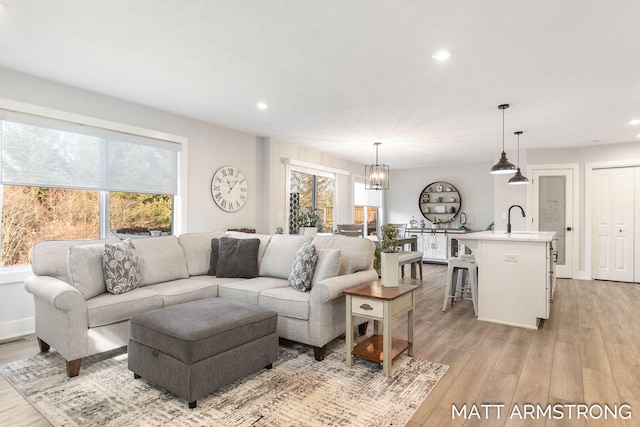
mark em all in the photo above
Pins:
pixel 379 303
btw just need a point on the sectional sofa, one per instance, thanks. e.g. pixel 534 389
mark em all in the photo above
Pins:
pixel 78 317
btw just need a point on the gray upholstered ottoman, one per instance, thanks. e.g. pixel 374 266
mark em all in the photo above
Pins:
pixel 194 348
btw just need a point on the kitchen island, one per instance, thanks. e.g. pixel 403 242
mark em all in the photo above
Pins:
pixel 516 275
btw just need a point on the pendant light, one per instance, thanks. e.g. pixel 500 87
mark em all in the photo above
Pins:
pixel 503 165
pixel 518 178
pixel 376 176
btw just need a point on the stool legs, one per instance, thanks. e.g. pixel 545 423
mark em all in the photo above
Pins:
pixel 456 285
pixel 449 290
pixel 473 278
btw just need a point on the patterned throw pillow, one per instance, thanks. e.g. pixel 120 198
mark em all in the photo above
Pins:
pixel 303 267
pixel 120 267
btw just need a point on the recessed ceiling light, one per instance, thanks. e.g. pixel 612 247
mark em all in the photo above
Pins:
pixel 635 122
pixel 441 55
pixel 262 105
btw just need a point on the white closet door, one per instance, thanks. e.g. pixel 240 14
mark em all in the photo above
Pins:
pixel 613 220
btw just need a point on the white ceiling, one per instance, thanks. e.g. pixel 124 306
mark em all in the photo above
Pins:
pixel 339 75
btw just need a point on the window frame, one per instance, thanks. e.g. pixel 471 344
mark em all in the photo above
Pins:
pixel 319 170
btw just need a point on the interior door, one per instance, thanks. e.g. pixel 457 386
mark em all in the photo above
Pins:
pixel 613 224
pixel 552 210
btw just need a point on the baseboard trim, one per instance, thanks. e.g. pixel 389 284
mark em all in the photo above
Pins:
pixel 17 328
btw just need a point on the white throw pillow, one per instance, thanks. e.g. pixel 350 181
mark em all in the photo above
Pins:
pixel 328 265
pixel 84 263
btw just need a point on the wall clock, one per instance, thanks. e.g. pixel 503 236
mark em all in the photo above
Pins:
pixel 229 188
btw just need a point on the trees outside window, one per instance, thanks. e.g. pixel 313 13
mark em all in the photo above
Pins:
pixel 311 191
pixel 33 214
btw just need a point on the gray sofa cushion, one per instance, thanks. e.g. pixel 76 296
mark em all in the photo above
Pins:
pixel 197 250
pixel 184 290
pixel 49 257
pixel 286 302
pixel 280 254
pixel 356 254
pixel 327 266
pixel 237 257
pixel 161 260
pixel 108 308
pixel 249 290
pixel 85 269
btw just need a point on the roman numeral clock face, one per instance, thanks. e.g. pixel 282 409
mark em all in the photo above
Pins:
pixel 229 188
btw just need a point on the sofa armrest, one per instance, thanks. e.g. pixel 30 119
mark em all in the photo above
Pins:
pixel 56 292
pixel 61 315
pixel 332 288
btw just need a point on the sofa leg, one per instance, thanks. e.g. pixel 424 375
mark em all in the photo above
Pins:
pixel 73 367
pixel 320 353
pixel 44 347
pixel 193 404
pixel 362 328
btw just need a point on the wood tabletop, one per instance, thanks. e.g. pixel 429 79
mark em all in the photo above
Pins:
pixel 375 290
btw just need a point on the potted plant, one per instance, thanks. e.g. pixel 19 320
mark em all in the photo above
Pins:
pixel 389 262
pixel 308 221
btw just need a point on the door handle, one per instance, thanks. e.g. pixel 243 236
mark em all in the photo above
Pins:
pixel 569 228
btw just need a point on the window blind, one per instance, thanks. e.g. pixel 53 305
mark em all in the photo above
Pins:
pixel 43 152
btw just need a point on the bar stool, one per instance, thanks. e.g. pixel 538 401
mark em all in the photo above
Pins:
pixel 462 281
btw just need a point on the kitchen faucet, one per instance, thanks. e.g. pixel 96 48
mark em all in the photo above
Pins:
pixel 509 216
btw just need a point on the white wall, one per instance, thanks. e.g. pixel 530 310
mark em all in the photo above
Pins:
pixel 475 184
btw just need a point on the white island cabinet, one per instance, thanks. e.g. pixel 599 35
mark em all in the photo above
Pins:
pixel 516 275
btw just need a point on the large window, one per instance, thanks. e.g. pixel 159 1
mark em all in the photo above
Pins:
pixel 366 204
pixel 311 191
pixel 63 180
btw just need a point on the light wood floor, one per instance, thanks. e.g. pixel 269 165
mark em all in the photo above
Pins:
pixel 587 352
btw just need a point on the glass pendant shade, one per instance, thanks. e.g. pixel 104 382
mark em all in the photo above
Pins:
pixel 518 178
pixel 503 166
pixel 376 175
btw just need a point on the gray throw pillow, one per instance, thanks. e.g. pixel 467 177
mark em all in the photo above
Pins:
pixel 213 262
pixel 120 267
pixel 237 257
pixel 303 267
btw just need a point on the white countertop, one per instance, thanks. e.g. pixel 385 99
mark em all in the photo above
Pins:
pixel 517 236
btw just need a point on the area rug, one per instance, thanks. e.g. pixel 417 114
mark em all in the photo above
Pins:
pixel 298 391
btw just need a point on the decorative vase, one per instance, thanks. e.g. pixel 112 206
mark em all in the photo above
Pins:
pixel 389 264
pixel 309 231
